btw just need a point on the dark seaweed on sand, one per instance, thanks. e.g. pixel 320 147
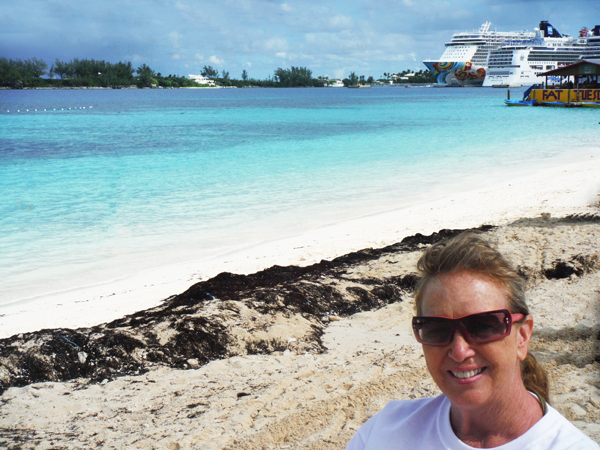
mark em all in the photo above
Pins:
pixel 135 343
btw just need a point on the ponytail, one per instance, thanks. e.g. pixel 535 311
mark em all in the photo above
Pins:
pixel 534 377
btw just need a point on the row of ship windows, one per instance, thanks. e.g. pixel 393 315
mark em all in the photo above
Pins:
pixel 553 54
pixel 500 61
pixel 538 55
pixel 499 73
pixel 550 67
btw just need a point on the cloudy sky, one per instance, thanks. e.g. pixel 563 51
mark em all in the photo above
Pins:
pixel 332 38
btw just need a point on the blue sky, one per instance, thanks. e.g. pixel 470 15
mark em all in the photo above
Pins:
pixel 332 38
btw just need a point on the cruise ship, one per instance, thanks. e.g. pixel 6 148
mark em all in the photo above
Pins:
pixel 592 48
pixel 520 62
pixel 464 62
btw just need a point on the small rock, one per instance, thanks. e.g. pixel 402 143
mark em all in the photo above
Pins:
pixel 4 375
pixel 194 363
pixel 577 411
pixel 236 364
pixel 82 357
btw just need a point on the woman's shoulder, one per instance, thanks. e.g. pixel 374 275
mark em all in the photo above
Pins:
pixel 400 420
pixel 409 407
pixel 562 433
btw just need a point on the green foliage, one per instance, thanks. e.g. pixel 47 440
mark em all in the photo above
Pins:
pixel 422 76
pixel 209 71
pixel 352 80
pixel 294 77
pixel 145 76
pixel 17 73
pixel 36 67
pixel 97 73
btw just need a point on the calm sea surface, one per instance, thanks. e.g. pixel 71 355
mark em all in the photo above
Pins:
pixel 142 179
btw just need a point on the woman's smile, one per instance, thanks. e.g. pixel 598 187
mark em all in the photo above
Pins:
pixel 466 373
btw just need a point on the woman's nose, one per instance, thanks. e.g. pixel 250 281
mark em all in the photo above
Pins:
pixel 460 349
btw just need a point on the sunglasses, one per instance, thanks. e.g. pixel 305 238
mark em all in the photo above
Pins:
pixel 476 328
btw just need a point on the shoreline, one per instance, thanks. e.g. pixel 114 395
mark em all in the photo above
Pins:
pixel 558 190
pixel 292 357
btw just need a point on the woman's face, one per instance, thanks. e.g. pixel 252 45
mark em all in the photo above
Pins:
pixel 473 375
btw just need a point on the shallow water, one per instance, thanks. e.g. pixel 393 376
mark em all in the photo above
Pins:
pixel 144 178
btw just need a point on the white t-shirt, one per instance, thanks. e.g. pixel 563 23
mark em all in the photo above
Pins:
pixel 425 424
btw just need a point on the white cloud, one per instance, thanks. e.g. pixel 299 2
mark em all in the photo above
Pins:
pixel 341 21
pixel 327 37
pixel 276 44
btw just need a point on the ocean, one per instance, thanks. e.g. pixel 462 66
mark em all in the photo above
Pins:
pixel 100 184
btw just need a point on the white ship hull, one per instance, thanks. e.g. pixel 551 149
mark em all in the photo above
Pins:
pixel 464 62
pixel 521 64
pixel 518 74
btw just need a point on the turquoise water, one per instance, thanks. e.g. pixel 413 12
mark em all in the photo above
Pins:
pixel 148 178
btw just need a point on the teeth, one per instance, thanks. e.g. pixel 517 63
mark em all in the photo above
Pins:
pixel 467 374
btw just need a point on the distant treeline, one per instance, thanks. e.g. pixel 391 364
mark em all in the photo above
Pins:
pixel 34 72
pixel 81 73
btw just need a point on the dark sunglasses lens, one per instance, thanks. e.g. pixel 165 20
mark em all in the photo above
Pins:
pixel 487 326
pixel 434 331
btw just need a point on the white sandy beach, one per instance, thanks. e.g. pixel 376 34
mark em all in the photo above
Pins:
pixel 560 190
pixel 301 399
pixel 298 399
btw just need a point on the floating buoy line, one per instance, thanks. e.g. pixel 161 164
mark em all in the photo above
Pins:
pixel 46 109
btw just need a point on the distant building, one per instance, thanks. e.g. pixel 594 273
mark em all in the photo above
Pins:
pixel 200 79
pixel 406 76
pixel 335 83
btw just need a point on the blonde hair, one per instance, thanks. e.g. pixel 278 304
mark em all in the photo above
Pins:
pixel 470 252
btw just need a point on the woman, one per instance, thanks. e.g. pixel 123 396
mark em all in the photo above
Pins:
pixel 475 328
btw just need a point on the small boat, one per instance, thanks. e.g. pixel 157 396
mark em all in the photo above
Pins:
pixel 579 87
pixel 520 102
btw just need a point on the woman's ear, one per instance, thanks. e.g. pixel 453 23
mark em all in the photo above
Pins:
pixel 524 330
